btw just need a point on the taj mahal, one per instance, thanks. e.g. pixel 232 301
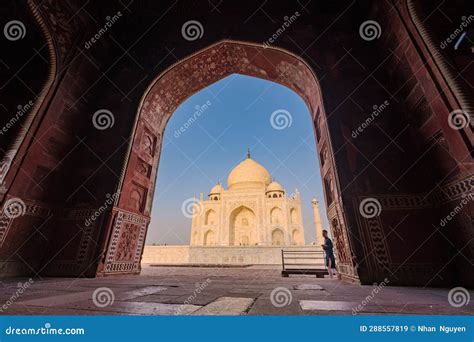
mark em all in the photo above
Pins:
pixel 249 222
pixel 253 211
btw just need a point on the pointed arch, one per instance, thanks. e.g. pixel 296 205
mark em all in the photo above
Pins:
pixel 209 238
pixel 210 217
pixel 243 227
pixel 294 216
pixel 276 216
pixel 278 238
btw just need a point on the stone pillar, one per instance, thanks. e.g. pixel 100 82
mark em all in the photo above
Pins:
pixel 317 222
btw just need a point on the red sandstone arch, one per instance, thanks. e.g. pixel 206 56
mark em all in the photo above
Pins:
pixel 159 102
pixel 125 229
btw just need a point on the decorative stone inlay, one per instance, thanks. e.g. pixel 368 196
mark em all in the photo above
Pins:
pixel 218 61
pixel 375 231
pixel 455 190
pixel 404 201
pixel 127 241
pixel 34 209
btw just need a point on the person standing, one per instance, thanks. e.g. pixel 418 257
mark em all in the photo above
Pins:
pixel 329 253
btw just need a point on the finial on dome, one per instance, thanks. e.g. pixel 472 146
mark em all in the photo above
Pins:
pixel 248 153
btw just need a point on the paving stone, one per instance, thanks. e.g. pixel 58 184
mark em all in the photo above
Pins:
pixel 308 287
pixel 157 298
pixel 157 286
pixel 226 306
pixel 58 300
pixel 199 299
pixel 327 305
pixel 140 292
pixel 264 306
pixel 141 308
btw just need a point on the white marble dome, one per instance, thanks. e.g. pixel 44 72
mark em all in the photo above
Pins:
pixel 247 175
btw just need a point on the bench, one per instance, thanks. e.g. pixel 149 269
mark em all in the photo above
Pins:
pixel 303 262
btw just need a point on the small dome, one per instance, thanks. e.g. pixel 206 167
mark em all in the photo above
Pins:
pixel 217 189
pixel 275 186
pixel 248 174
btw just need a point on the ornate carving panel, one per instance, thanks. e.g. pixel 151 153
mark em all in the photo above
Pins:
pixel 137 198
pixel 218 61
pixel 455 190
pixel 22 208
pixel 404 201
pixel 148 143
pixel 126 243
pixel 79 261
pixel 378 240
pixel 143 168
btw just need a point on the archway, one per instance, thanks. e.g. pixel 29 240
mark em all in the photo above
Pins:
pixel 159 102
pixel 276 216
pixel 296 237
pixel 209 238
pixel 374 254
pixel 294 216
pixel 242 227
pixel 210 218
pixel 278 239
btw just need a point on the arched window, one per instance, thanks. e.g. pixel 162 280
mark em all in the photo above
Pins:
pixel 296 237
pixel 277 237
pixel 276 216
pixel 209 238
pixel 242 227
pixel 294 216
pixel 210 218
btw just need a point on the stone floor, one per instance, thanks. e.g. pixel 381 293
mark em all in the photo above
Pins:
pixel 217 291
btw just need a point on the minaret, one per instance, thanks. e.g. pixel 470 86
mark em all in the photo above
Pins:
pixel 317 222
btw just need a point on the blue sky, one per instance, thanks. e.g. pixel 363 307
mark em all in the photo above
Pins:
pixel 238 116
